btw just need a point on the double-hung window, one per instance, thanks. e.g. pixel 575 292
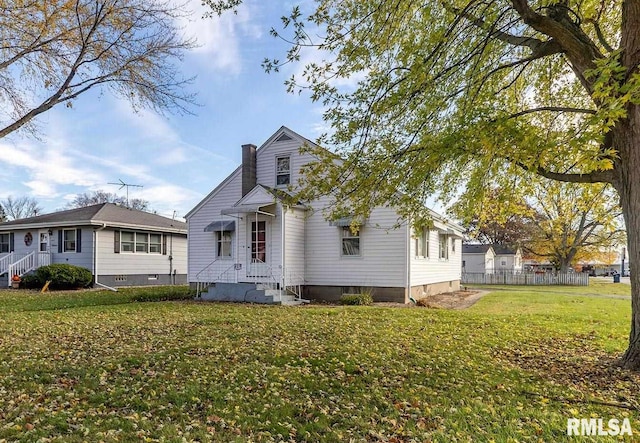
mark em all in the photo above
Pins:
pixel 223 244
pixel 350 242
pixel 127 241
pixel 283 171
pixel 444 246
pixel 422 244
pixel 140 242
pixel 5 243
pixel 69 240
pixel 155 243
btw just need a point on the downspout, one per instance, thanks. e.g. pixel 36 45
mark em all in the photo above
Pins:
pixel 408 248
pixel 236 256
pixel 95 259
pixel 283 212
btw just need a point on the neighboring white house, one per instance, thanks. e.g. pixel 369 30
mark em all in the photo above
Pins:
pixel 490 259
pixel 508 259
pixel 241 233
pixel 120 246
pixel 478 259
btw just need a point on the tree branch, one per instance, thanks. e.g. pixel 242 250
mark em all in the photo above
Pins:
pixel 591 177
pixel 553 109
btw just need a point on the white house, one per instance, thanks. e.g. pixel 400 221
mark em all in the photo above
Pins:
pixel 508 259
pixel 491 259
pixel 242 240
pixel 478 259
pixel 120 246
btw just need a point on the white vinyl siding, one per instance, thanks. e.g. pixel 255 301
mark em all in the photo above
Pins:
pixel 201 244
pixel 432 269
pixel 112 263
pixel 294 243
pixel 267 157
pixel 383 253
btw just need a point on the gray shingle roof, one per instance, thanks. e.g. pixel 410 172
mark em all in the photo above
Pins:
pixel 504 250
pixel 104 213
pixel 475 249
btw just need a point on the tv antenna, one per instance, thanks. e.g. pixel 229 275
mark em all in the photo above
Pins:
pixel 125 185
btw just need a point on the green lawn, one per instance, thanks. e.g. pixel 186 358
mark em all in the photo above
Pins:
pixel 98 366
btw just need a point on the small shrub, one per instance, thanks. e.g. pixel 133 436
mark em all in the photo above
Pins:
pixel 63 276
pixel 356 299
pixel 30 281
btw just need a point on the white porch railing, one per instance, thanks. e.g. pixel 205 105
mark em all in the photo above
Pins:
pixel 5 261
pixel 14 264
pixel 217 271
pixel 293 283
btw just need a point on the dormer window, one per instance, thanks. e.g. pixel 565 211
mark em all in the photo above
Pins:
pixel 283 171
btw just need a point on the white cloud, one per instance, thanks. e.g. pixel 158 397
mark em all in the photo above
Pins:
pixel 44 167
pixel 218 37
pixel 166 198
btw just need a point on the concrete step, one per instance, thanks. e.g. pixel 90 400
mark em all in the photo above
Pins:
pixel 249 293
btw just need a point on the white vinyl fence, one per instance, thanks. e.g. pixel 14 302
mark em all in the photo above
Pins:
pixel 572 279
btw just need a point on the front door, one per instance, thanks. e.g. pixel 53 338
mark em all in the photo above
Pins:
pixel 44 256
pixel 258 249
pixel 43 241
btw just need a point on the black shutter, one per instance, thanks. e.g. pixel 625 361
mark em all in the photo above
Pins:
pixel 164 244
pixel 78 240
pixel 116 242
pixel 60 240
pixel 12 242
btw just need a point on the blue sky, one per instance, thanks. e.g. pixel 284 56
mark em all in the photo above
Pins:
pixel 177 159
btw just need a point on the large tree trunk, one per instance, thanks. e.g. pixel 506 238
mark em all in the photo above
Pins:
pixel 626 136
pixel 628 187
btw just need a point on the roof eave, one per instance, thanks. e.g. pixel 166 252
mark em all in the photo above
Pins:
pixel 97 223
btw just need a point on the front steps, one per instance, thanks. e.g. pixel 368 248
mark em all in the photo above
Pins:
pixel 248 293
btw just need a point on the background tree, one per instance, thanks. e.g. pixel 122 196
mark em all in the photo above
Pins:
pixel 100 196
pixel 20 207
pixel 558 222
pixel 496 219
pixel 573 222
pixel 54 51
pixel 470 94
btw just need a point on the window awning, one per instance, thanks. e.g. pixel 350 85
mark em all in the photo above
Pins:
pixel 221 225
pixel 245 209
pixel 346 221
pixel 451 233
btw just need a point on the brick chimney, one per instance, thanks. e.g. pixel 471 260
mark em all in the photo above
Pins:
pixel 248 168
